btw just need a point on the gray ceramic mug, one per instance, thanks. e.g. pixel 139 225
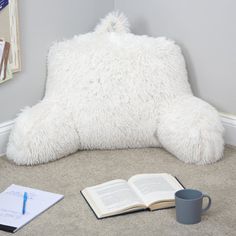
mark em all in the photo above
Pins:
pixel 189 206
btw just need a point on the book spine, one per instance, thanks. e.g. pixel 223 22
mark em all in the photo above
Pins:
pixel 7 46
pixel 2 45
pixel 4 60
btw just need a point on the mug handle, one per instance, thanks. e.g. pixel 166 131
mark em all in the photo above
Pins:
pixel 209 203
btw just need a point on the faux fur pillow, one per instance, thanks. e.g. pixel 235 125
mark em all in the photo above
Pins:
pixel 112 89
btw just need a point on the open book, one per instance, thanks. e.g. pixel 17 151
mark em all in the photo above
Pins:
pixel 140 192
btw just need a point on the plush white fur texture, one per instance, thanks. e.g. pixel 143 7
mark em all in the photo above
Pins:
pixel 113 89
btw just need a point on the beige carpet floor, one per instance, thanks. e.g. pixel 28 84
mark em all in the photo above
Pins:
pixel 72 216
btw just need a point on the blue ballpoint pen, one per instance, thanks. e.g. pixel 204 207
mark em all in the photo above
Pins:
pixel 25 197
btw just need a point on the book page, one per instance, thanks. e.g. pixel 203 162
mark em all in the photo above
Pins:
pixel 155 187
pixel 2 45
pixel 113 196
pixel 11 202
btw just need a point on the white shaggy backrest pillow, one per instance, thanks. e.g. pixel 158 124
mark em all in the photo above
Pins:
pixel 112 89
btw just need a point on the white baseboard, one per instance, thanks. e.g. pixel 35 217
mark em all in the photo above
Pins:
pixel 5 129
pixel 229 123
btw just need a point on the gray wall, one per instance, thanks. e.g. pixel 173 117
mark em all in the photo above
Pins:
pixel 39 27
pixel 207 33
